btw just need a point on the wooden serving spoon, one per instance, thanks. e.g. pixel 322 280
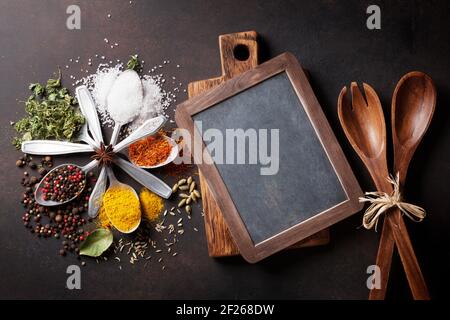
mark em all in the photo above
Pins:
pixel 413 105
pixel 364 125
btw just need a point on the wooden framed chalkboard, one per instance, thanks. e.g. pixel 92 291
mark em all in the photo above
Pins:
pixel 314 186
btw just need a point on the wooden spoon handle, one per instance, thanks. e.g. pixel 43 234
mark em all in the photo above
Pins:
pixel 408 257
pixel 394 230
pixel 384 261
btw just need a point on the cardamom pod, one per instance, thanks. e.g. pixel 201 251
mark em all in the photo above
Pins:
pixel 181 203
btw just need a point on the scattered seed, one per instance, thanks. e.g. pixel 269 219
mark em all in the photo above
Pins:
pixel 188 200
pixel 181 182
pixel 172 213
pixel 192 186
pixel 189 180
pixel 196 193
pixel 175 188
pixel 183 195
pixel 174 254
pixel 188 209
pixel 181 203
pixel 183 188
pixel 195 229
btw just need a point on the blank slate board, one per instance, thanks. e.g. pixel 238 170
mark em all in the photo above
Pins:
pixel 262 199
pixel 314 187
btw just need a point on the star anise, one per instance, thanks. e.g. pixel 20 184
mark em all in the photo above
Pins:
pixel 104 155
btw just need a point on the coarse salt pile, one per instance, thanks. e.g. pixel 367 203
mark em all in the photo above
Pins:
pixel 100 84
pixel 153 102
pixel 155 99
pixel 103 80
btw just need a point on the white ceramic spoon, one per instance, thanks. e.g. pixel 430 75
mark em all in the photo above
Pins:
pixel 88 109
pixel 145 178
pixel 128 87
pixel 114 183
pixel 51 147
pixel 38 194
pixel 172 156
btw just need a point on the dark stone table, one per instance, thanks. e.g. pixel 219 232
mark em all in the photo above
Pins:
pixel 330 38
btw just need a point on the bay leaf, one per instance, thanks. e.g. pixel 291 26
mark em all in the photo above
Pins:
pixel 96 243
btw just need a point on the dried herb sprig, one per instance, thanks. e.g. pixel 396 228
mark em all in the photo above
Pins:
pixel 134 63
pixel 51 114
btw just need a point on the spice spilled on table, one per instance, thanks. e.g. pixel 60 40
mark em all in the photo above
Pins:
pixel 162 228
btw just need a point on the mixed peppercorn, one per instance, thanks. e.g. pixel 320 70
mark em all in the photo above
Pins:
pixel 63 183
pixel 65 222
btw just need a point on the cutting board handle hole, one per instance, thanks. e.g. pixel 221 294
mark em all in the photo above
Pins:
pixel 241 52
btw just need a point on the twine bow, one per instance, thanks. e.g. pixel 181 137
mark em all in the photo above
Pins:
pixel 381 202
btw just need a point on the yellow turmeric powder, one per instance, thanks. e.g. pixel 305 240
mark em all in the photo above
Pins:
pixel 103 220
pixel 122 208
pixel 151 204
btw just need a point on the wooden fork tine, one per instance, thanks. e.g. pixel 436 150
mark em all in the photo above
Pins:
pixel 371 96
pixel 358 99
pixel 344 101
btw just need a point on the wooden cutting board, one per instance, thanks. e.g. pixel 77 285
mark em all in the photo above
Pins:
pixel 238 53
